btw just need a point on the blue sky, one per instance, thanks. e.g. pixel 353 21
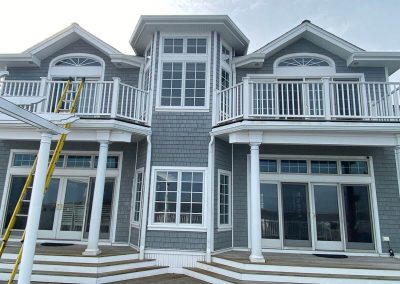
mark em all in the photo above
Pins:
pixel 370 24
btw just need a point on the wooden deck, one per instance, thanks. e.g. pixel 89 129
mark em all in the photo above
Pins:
pixel 309 260
pixel 74 250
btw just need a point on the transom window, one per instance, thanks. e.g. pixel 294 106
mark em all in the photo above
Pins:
pixel 323 166
pixel 185 45
pixel 178 197
pixel 196 45
pixel 77 61
pixel 301 61
pixel 66 161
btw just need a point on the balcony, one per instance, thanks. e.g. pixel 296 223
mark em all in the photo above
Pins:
pixel 318 100
pixel 99 99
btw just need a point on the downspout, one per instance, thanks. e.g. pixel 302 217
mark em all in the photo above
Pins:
pixel 145 209
pixel 210 197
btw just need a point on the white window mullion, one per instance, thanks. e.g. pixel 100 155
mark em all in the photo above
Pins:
pixel 183 83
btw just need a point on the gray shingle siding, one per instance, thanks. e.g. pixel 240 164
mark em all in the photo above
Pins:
pixel 125 193
pixel 129 76
pixel 387 190
pixel 223 161
pixel 303 45
pixel 176 240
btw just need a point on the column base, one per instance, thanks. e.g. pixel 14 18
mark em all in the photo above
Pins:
pixel 257 259
pixel 91 252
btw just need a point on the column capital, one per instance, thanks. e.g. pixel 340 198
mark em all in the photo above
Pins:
pixel 254 145
pixel 103 136
pixel 45 137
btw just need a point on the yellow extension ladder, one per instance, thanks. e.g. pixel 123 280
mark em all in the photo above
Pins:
pixel 67 104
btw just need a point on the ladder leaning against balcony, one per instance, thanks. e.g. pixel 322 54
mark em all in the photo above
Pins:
pixel 67 103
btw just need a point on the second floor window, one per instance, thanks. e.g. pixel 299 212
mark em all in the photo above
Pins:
pixel 183 84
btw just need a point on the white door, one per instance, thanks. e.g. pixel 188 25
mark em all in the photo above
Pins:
pixel 63 211
pixel 327 215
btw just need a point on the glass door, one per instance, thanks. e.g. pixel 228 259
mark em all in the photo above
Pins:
pixel 71 208
pixel 48 215
pixel 270 225
pixel 327 220
pixel 296 221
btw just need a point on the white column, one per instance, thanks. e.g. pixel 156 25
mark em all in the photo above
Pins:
pixel 97 204
pixel 255 206
pixel 35 208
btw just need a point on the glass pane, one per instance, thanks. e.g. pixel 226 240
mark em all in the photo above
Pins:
pixel 24 160
pixel 74 206
pixel 327 213
pixel 79 161
pixel 324 167
pixel 295 215
pixel 269 211
pixel 49 206
pixel 354 167
pixel 112 162
pixel 358 217
pixel 268 166
pixel 106 210
pixel 294 166
pixel 17 183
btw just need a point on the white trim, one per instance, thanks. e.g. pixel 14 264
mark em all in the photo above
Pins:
pixel 225 227
pixel 177 226
pixel 76 71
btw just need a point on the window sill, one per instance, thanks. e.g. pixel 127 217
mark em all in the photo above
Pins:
pixel 182 109
pixel 224 229
pixel 176 228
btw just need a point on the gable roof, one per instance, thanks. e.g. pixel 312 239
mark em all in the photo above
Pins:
pixel 33 55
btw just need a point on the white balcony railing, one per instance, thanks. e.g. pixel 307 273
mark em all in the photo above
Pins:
pixel 99 99
pixel 309 100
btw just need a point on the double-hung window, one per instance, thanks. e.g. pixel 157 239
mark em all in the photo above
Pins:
pixel 183 75
pixel 224 199
pixel 137 197
pixel 178 195
pixel 225 72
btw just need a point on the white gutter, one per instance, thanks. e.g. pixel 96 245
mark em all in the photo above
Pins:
pixel 210 197
pixel 145 208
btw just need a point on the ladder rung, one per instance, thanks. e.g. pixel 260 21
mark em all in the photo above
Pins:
pixel 22 215
pixel 26 200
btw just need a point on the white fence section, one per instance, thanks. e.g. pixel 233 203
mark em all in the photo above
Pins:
pixel 99 99
pixel 308 100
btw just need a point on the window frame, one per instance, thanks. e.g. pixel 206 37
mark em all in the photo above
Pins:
pixel 137 223
pixel 177 226
pixel 225 227
pixel 184 58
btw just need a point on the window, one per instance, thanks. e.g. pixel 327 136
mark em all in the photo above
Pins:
pixel 268 166
pixel 302 61
pixel 196 45
pixel 324 167
pixel 294 166
pixel 78 61
pixel 173 45
pixel 137 204
pixel 194 77
pixel 178 197
pixel 224 79
pixel 23 160
pixel 112 162
pixel 79 161
pixel 225 54
pixel 354 167
pixel 224 198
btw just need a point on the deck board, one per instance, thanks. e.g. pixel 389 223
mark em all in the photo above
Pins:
pixel 309 260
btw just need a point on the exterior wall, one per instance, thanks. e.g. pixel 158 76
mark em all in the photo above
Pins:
pixel 387 189
pixel 223 161
pixel 127 174
pixel 303 45
pixel 129 76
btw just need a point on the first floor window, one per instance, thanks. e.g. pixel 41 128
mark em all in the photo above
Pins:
pixel 183 84
pixel 224 197
pixel 178 196
pixel 138 196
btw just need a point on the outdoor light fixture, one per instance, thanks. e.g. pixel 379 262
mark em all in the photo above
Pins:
pixel 387 240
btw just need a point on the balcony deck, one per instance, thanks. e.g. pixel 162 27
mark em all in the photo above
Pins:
pixel 99 99
pixel 319 100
